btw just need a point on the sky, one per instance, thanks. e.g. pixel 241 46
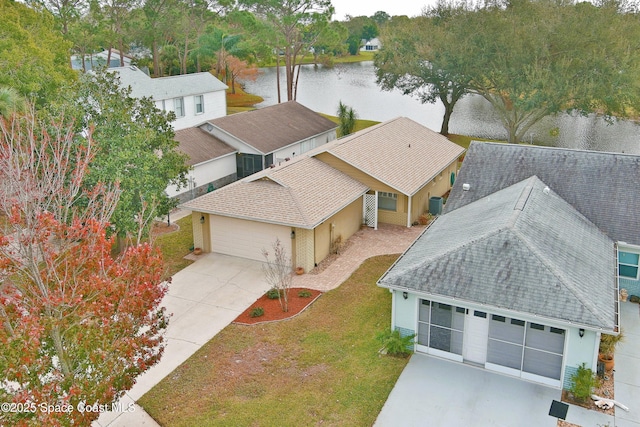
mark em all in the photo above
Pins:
pixel 369 7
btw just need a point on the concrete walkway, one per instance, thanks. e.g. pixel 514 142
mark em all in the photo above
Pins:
pixel 209 294
pixel 436 392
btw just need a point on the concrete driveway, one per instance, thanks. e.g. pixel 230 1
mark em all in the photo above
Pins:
pixel 204 298
pixel 437 392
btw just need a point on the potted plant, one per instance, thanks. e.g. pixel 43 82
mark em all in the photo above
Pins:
pixel 197 251
pixel 607 347
pixel 299 271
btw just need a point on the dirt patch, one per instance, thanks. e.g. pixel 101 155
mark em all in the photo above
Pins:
pixel 273 310
pixel 159 228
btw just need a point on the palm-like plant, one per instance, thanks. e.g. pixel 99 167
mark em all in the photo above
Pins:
pixel 11 101
pixel 347 117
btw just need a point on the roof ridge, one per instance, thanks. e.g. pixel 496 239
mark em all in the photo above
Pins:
pixel 546 147
pixel 568 284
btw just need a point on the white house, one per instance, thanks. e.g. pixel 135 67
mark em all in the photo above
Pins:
pixel 194 98
pixel 213 163
pixel 371 45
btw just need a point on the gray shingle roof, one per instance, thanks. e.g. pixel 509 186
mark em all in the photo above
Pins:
pixel 300 193
pixel 201 146
pixel 518 249
pixel 167 87
pixel 400 153
pixel 271 128
pixel 602 186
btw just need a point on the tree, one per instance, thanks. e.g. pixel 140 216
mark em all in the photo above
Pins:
pixel 237 69
pixel 296 24
pixel 34 58
pixel 278 272
pixel 360 28
pixel 135 148
pixel 65 11
pixel 418 58
pixel 76 325
pixel 347 117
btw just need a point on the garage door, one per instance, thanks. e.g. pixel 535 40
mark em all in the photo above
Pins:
pixel 246 239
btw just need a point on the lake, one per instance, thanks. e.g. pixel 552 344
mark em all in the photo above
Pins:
pixel 354 84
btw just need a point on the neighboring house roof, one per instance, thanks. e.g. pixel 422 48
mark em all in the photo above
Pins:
pixel 201 146
pixel 271 128
pixel 302 192
pixel 602 186
pixel 167 87
pixel 400 153
pixel 522 248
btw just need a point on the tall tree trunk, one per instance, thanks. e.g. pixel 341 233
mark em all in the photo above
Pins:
pixel 156 59
pixel 448 111
pixel 278 73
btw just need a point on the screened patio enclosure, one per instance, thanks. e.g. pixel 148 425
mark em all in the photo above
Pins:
pixel 512 346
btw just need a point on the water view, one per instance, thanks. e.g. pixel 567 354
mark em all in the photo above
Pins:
pixel 355 85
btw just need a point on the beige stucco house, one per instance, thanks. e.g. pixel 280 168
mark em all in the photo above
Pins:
pixel 385 173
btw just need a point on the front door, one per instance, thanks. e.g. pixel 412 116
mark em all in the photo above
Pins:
pixel 476 333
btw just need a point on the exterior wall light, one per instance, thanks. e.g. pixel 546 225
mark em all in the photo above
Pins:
pixel 581 332
pixel 405 295
pixel 202 219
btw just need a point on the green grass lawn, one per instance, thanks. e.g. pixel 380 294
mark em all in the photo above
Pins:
pixel 176 245
pixel 319 368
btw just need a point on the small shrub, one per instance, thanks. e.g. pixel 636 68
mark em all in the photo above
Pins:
pixel 273 293
pixel 583 383
pixel 395 344
pixel 634 298
pixel 256 312
pixel 305 293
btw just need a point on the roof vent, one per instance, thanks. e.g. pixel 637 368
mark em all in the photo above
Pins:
pixel 546 190
pixel 466 187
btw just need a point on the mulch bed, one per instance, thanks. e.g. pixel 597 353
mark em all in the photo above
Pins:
pixel 605 390
pixel 272 309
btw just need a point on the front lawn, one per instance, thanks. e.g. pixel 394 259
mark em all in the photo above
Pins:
pixel 174 246
pixel 319 368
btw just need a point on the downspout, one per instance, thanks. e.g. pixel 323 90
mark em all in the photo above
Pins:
pixel 409 213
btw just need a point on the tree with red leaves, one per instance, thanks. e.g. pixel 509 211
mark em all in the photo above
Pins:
pixel 77 325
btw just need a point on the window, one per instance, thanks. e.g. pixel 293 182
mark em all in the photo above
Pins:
pixel 199 104
pixel 178 107
pixel 387 201
pixel 628 265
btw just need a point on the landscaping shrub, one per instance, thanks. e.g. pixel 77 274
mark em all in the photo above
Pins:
pixel 395 344
pixel 256 312
pixel 583 382
pixel 304 293
pixel 273 293
pixel 634 298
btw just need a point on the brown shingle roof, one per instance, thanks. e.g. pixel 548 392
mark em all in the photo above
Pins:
pixel 271 128
pixel 201 146
pixel 400 153
pixel 300 193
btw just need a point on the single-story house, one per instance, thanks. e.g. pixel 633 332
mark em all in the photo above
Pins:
pixel 314 200
pixel 371 45
pixel 268 136
pixel 306 215
pixel 194 98
pixel 212 162
pixel 521 273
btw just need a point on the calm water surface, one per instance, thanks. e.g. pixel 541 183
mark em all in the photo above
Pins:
pixel 355 85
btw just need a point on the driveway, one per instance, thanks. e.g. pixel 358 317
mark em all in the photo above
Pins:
pixel 437 392
pixel 203 298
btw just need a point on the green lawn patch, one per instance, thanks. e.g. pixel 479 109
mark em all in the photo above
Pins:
pixel 174 246
pixel 319 368
pixel 360 124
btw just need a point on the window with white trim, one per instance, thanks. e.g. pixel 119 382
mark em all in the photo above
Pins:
pixel 178 106
pixel 628 265
pixel 199 100
pixel 387 201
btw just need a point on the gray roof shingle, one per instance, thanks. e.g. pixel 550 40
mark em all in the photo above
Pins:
pixel 521 248
pixel 167 87
pixel 602 186
pixel 201 146
pixel 271 128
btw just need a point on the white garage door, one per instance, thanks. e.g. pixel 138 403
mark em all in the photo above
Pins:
pixel 246 239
